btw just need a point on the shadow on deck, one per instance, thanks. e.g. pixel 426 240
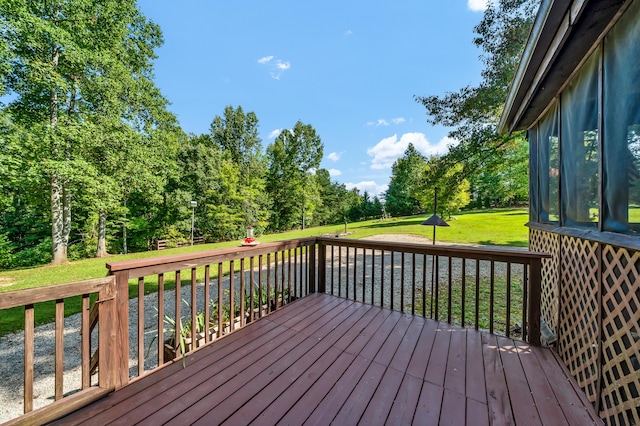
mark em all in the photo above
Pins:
pixel 325 359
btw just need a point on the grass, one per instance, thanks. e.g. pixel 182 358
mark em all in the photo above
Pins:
pixel 499 227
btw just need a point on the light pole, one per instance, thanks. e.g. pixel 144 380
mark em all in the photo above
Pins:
pixel 434 221
pixel 194 204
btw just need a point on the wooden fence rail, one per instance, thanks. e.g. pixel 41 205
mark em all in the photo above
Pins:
pixel 221 291
pixel 493 289
pixel 103 292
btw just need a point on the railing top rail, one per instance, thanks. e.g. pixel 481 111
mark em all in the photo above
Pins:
pixel 29 296
pixel 160 264
pixel 460 251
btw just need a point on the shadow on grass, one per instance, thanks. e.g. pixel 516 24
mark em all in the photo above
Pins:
pixel 512 243
pixel 392 224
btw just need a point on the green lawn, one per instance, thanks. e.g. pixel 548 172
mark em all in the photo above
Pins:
pixel 500 227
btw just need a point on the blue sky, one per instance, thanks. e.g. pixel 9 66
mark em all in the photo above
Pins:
pixel 348 68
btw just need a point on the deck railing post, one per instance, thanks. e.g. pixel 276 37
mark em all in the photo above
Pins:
pixel 535 290
pixel 322 267
pixel 312 268
pixel 121 321
pixel 107 336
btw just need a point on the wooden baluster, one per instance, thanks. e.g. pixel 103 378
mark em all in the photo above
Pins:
pixel 436 265
pixel 508 319
pixel 339 271
pixel 333 259
pixel 413 286
pixel 477 294
pixel 29 348
pixel 382 279
pixel 355 270
pixel 492 296
pixel 346 268
pixel 59 351
pixel 140 326
pixel 178 327
pixel 464 290
pixel 194 310
pixel 161 319
pixel 260 287
pixel 283 278
pixel 232 288
pixel 297 292
pixel 207 304
pixel 289 276
pixel 373 274
pixel 364 272
pixel 275 279
pixel 252 284
pixel 268 282
pixel 393 274
pixel 424 285
pixel 449 291
pixel 220 300
pixel 402 282
pixel 243 293
pixel 86 341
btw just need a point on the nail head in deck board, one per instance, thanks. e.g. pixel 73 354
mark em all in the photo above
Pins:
pixel 455 377
pixel 404 406
pixel 429 405
pixel 379 406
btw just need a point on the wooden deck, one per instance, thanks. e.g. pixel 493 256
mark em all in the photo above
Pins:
pixel 324 359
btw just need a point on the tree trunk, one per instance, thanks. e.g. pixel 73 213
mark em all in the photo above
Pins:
pixel 59 200
pixel 102 236
pixel 59 246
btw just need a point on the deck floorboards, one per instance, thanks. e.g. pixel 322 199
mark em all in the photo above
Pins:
pixel 324 359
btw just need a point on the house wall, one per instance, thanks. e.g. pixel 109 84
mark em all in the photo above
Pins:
pixel 591 301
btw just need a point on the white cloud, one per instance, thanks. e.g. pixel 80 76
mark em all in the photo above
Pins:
pixel 385 122
pixel 274 133
pixel 334 156
pixel 370 186
pixel 479 5
pixel 388 150
pixel 348 32
pixel 334 172
pixel 276 66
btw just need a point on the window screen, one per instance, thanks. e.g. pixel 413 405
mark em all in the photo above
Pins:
pixel 549 166
pixel 579 144
pixel 621 145
pixel 533 175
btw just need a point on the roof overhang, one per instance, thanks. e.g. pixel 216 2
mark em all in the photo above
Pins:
pixel 563 33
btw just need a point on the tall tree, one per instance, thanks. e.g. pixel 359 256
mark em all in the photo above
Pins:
pixel 236 133
pixel 402 197
pixel 75 64
pixel 473 112
pixel 292 160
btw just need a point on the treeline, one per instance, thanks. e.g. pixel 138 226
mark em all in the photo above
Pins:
pixel 92 162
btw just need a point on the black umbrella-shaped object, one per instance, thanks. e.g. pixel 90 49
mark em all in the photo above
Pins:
pixel 434 220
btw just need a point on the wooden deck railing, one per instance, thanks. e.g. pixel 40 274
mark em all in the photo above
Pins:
pixel 150 301
pixel 493 289
pixel 224 290
pixel 102 292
